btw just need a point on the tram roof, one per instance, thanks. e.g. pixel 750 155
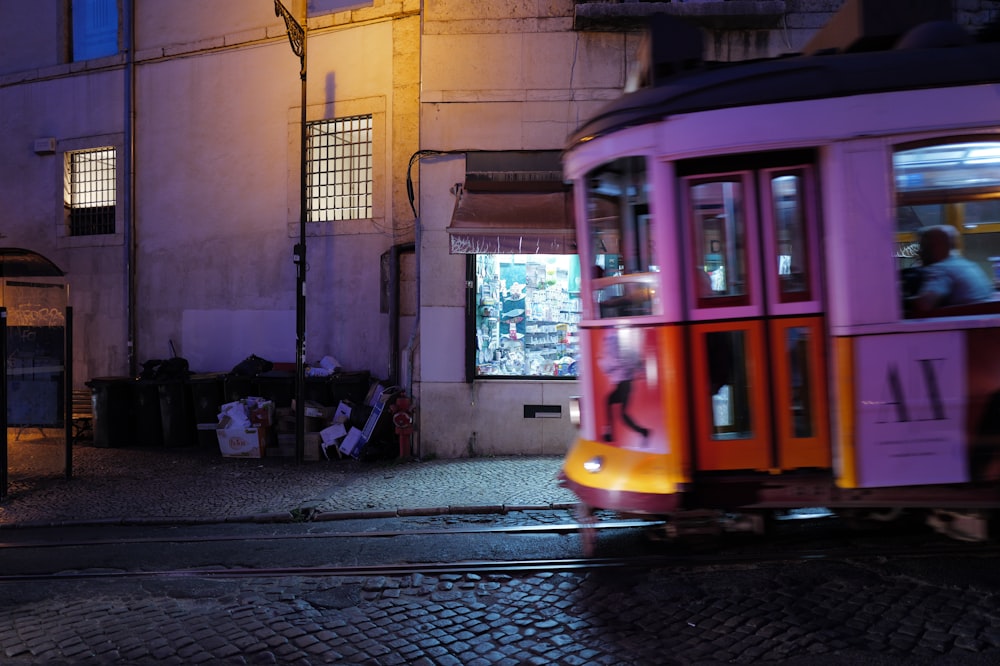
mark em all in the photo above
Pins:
pixel 797 78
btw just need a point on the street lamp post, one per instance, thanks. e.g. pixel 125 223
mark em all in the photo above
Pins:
pixel 297 40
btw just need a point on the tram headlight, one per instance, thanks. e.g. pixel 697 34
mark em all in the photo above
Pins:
pixel 594 465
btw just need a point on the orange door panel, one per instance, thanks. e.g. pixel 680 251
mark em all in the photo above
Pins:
pixel 729 396
pixel 801 408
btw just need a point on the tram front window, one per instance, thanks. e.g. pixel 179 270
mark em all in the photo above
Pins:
pixel 621 240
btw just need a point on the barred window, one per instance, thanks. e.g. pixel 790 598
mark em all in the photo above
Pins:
pixel 90 191
pixel 339 169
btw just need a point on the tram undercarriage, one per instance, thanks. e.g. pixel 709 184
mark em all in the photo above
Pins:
pixel 748 504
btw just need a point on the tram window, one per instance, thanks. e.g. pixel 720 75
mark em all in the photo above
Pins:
pixel 717 214
pixel 729 384
pixel 953 184
pixel 797 346
pixel 789 213
pixel 621 239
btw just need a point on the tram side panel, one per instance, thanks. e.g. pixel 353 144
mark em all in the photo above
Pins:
pixel 918 409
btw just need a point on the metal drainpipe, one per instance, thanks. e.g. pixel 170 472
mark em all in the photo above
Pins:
pixel 128 198
pixel 395 312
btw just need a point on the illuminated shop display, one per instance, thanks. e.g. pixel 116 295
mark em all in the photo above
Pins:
pixel 527 311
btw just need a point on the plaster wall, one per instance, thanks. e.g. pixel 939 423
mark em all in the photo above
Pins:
pixel 24 43
pixel 218 202
pixel 458 419
pixel 32 202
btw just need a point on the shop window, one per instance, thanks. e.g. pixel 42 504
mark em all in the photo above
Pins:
pixel 527 310
pixel 955 185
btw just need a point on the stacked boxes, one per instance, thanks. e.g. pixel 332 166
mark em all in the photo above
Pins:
pixel 349 427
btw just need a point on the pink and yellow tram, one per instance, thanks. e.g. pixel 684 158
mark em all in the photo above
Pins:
pixel 745 345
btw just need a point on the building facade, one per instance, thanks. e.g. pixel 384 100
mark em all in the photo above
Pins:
pixel 152 151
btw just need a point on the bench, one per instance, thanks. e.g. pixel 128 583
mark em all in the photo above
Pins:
pixel 82 415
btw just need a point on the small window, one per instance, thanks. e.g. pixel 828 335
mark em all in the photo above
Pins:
pixel 339 169
pixel 90 191
pixel 956 186
pixel 789 212
pixel 718 221
pixel 95 28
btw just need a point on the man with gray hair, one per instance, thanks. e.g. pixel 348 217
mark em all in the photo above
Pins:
pixel 947 278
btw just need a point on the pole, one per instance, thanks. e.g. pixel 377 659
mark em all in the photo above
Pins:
pixel 297 40
pixel 68 389
pixel 3 404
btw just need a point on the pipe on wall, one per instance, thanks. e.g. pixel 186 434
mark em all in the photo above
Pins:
pixel 395 312
pixel 128 24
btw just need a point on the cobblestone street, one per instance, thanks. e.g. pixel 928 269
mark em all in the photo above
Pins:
pixel 809 612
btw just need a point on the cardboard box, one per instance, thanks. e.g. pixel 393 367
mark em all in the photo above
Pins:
pixel 343 413
pixel 242 442
pixel 261 414
pixel 332 434
pixel 312 442
pixel 352 443
pixel 315 410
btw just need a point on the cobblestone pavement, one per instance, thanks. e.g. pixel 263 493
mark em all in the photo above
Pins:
pixel 198 484
pixel 810 612
pixel 807 613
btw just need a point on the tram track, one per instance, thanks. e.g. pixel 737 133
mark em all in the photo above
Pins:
pixel 768 553
pixel 556 528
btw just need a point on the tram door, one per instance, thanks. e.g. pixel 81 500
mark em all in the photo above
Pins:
pixel 757 364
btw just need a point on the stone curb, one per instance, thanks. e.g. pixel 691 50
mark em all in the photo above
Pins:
pixel 290 517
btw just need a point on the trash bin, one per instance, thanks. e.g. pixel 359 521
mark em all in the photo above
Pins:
pixel 112 398
pixel 277 386
pixel 238 387
pixel 330 390
pixel 146 405
pixel 207 397
pixel 176 412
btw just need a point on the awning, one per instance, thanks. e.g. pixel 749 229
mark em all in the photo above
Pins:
pixel 513 223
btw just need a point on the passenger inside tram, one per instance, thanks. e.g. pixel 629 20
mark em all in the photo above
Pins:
pixel 945 277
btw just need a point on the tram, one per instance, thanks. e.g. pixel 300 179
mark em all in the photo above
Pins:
pixel 749 228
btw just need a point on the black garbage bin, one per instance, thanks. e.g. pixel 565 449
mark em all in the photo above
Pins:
pixel 238 387
pixel 207 398
pixel 352 386
pixel 176 412
pixel 146 406
pixel 278 386
pixel 112 397
pixel 330 390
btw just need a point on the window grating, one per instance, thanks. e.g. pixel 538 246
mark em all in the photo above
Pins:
pixel 91 191
pixel 339 169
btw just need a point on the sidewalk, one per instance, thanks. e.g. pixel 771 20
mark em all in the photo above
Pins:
pixel 195 484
